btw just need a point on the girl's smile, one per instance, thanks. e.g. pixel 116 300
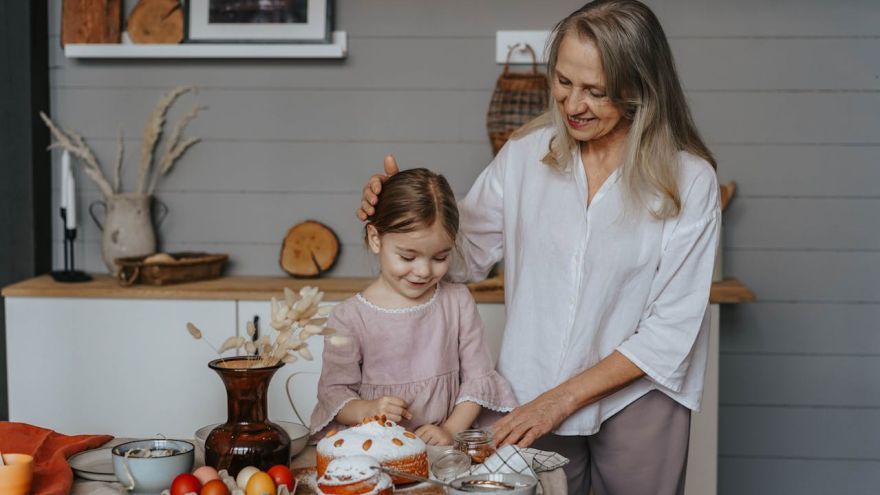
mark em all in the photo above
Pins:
pixel 411 265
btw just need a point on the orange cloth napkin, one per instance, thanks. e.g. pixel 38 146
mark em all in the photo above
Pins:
pixel 52 473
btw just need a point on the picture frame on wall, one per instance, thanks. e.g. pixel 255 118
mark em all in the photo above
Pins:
pixel 259 21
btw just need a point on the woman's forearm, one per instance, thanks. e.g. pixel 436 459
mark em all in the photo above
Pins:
pixel 608 376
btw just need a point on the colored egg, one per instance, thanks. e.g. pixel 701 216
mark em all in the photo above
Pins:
pixel 206 474
pixel 260 484
pixel 245 475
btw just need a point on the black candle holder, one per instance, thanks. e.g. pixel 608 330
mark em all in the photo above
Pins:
pixel 69 274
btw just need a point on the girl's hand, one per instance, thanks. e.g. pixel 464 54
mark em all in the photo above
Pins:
pixel 394 408
pixel 434 435
pixel 374 187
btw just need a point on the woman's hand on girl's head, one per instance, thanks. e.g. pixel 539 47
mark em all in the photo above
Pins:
pixel 434 435
pixel 531 421
pixel 374 186
pixel 393 408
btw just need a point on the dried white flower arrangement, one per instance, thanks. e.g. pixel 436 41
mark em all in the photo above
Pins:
pixel 295 319
pixel 148 174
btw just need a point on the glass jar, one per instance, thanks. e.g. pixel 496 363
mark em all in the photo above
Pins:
pixel 450 464
pixel 475 443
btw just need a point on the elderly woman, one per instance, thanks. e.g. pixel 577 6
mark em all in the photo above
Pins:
pixel 605 212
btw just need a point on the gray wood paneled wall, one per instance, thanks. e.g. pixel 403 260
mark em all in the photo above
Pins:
pixel 786 92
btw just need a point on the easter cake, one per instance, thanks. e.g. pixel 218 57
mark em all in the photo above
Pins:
pixel 389 443
pixel 354 475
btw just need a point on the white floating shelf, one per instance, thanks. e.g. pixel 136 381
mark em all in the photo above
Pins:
pixel 337 49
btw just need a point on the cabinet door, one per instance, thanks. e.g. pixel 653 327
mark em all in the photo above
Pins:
pixel 303 386
pixel 702 472
pixel 493 320
pixel 118 366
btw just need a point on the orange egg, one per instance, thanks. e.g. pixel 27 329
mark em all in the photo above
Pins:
pixel 260 484
pixel 214 487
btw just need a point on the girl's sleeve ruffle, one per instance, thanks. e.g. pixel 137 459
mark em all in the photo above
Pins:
pixel 491 391
pixel 329 404
pixel 340 372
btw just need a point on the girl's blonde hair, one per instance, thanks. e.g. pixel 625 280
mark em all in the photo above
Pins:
pixel 414 199
pixel 642 82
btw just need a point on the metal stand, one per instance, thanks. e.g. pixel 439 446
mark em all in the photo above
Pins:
pixel 69 274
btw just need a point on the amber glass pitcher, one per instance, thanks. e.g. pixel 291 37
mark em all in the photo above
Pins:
pixel 247 438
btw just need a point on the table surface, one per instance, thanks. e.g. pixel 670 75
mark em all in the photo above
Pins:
pixel 727 291
pixel 553 482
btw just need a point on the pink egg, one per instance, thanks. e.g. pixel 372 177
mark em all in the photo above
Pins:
pixel 206 474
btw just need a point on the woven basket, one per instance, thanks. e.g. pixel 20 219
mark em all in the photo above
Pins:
pixel 517 99
pixel 186 267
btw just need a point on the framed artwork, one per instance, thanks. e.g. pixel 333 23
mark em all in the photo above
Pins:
pixel 259 21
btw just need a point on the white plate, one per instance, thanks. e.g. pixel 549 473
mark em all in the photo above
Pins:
pixel 95 464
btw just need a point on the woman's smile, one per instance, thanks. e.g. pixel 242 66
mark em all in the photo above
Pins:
pixel 577 122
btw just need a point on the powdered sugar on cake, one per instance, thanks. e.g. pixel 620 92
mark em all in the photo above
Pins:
pixel 377 437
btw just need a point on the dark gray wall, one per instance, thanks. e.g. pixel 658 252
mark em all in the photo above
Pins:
pixel 786 92
pixel 25 242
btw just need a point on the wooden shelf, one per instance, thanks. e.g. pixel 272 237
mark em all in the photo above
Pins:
pixel 337 49
pixel 729 291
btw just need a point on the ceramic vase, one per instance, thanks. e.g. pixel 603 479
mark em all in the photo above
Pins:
pixel 127 226
pixel 247 438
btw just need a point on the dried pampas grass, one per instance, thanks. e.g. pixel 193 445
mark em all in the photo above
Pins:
pixel 148 174
pixel 296 319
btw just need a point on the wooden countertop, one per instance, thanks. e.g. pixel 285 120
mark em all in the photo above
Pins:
pixel 728 291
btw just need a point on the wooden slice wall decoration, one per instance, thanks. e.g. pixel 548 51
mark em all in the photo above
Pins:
pixel 91 21
pixel 310 249
pixel 156 21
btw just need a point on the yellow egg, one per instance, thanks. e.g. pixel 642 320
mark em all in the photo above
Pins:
pixel 244 475
pixel 260 484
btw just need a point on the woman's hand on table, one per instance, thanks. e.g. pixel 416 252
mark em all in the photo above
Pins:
pixel 374 186
pixel 434 435
pixel 531 421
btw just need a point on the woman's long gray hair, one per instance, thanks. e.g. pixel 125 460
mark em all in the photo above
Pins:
pixel 642 82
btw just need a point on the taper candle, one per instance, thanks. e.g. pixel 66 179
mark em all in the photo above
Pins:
pixel 65 176
pixel 71 206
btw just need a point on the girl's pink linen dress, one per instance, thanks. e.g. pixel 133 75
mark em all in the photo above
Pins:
pixel 432 356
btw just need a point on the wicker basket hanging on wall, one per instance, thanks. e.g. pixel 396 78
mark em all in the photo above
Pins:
pixel 517 99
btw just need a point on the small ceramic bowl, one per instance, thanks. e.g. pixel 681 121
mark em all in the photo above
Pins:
pixel 298 434
pixel 519 484
pixel 151 475
pixel 16 474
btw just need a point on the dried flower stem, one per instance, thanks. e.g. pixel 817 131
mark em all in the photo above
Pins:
pixel 175 146
pixel 296 318
pixel 75 144
pixel 120 151
pixel 152 132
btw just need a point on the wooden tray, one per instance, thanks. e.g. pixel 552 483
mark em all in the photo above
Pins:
pixel 186 267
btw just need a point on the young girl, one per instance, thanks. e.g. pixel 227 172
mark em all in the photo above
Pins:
pixel 416 351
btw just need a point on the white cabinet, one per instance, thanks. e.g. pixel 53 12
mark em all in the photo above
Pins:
pixel 702 474
pixel 118 366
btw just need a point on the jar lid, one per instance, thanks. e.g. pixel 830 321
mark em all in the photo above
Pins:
pixel 478 436
pixel 450 464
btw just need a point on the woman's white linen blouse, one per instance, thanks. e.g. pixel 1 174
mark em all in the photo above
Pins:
pixel 583 281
